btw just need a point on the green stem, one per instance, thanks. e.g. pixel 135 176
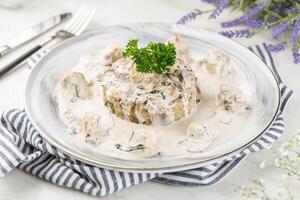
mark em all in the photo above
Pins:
pixel 268 26
pixel 295 151
pixel 273 14
pixel 290 170
pixel 290 18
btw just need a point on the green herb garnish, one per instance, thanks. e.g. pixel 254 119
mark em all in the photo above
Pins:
pixel 130 148
pixel 111 106
pixel 154 58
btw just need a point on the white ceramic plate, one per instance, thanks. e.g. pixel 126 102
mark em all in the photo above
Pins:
pixel 255 79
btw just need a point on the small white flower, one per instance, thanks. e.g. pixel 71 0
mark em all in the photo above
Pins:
pixel 259 182
pixel 263 165
pixel 285 153
pixel 269 146
pixel 281 149
pixel 277 162
pixel 297 137
pixel 298 133
pixel 285 145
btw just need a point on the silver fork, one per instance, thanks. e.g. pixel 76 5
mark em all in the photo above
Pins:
pixel 78 23
pixel 74 27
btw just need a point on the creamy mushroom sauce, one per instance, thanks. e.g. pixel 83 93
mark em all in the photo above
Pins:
pixel 217 110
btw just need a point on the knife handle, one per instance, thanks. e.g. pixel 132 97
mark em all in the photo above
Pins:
pixel 4 50
pixel 20 59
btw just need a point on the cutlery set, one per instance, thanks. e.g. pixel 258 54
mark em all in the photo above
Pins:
pixel 74 26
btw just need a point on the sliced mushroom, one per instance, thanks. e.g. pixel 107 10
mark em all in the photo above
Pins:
pixel 217 62
pixel 75 123
pixel 112 53
pixel 231 99
pixel 199 137
pixel 76 85
pixel 91 125
pixel 140 142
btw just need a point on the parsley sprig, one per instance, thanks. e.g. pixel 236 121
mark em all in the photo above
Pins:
pixel 154 58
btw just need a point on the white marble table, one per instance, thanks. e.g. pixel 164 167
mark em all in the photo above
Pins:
pixel 19 185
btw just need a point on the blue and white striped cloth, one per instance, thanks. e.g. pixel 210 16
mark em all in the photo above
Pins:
pixel 21 146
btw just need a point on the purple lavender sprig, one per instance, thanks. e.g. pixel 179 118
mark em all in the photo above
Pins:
pixel 296 31
pixel 278 31
pixel 252 23
pixel 242 33
pixel 283 16
pixel 232 23
pixel 215 2
pixel 222 4
pixel 247 19
pixel 255 10
pixel 290 10
pixel 296 56
pixel 189 17
pixel 276 47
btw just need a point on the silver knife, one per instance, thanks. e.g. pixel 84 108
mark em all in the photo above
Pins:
pixel 33 32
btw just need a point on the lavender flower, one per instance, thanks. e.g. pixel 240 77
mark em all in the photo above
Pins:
pixel 276 9
pixel 276 47
pixel 222 5
pixel 189 17
pixel 255 10
pixel 247 18
pixel 296 56
pixel 253 23
pixel 290 10
pixel 216 2
pixel 232 23
pixel 282 16
pixel 296 31
pixel 237 33
pixel 278 31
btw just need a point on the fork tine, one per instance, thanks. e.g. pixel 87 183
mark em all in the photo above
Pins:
pixel 84 18
pixel 79 21
pixel 75 26
pixel 77 16
pixel 83 23
pixel 86 22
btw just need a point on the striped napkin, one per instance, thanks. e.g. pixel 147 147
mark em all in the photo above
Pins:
pixel 21 146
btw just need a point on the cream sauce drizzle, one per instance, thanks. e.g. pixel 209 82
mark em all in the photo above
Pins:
pixel 169 138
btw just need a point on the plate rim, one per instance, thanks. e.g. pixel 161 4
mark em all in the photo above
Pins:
pixel 96 162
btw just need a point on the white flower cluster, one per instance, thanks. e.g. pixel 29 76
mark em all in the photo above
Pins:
pixel 256 190
pixel 287 161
